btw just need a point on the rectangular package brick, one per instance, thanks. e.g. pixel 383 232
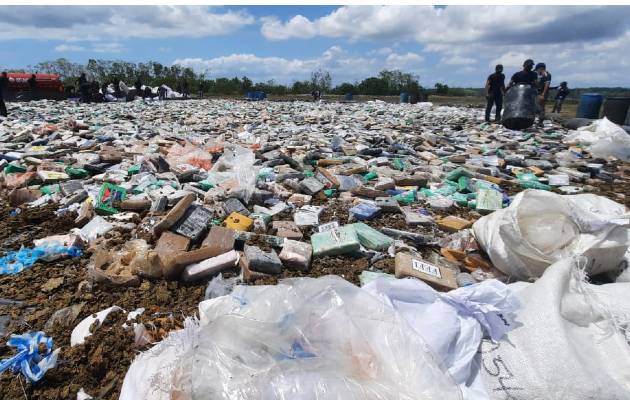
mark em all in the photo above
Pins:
pixel 194 223
pixel 335 242
pixel 296 255
pixel 258 260
pixel 440 278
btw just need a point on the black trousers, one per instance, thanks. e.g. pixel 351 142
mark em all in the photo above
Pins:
pixel 496 100
pixel 3 107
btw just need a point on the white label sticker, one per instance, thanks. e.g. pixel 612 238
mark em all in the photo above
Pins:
pixel 327 227
pixel 426 268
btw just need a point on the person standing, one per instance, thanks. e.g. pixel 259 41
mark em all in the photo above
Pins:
pixel 4 86
pixel 544 82
pixel 526 76
pixel 561 95
pixel 138 86
pixel 185 89
pixel 84 88
pixel 202 88
pixel 161 93
pixel 495 89
pixel 32 84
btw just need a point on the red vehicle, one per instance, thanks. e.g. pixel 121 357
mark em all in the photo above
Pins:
pixel 49 86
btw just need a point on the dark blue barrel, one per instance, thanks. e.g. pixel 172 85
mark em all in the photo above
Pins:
pixel 628 118
pixel 404 97
pixel 590 103
pixel 250 95
pixel 616 109
pixel 520 107
pixel 348 97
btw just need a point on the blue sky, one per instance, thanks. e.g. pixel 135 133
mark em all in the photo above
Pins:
pixel 458 45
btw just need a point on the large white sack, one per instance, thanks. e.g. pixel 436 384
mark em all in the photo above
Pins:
pixel 572 342
pixel 602 138
pixel 540 228
pixel 454 323
pixel 302 339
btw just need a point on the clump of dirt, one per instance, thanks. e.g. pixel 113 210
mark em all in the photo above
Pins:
pixel 345 266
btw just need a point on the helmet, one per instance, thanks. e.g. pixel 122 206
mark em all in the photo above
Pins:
pixel 498 68
pixel 563 83
pixel 541 65
pixel 529 63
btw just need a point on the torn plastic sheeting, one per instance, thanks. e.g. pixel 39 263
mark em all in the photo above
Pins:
pixel 82 330
pixel 17 261
pixel 189 154
pixel 29 359
pixel 540 228
pixel 454 323
pixel 264 342
pixel 239 163
pixel 603 139
pixel 571 340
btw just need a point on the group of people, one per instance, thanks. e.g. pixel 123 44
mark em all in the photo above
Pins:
pixel 536 76
pixel 89 91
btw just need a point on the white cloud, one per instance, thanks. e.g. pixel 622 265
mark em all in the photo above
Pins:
pixel 65 48
pixel 588 44
pixel 342 65
pixel 98 23
pixel 97 47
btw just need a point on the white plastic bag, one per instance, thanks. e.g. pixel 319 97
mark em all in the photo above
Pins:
pixel 571 342
pixel 540 228
pixel 302 339
pixel 238 164
pixel 603 139
pixel 454 323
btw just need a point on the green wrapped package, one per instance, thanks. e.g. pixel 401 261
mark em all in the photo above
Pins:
pixel 134 169
pixel 406 198
pixel 489 200
pixel 205 185
pixel 399 164
pixel 78 173
pixel 309 174
pixel 370 238
pixel 50 189
pixel 463 184
pixel 534 185
pixel 109 195
pixel 460 199
pixel 265 217
pixel 14 168
pixel 336 241
pixel 456 173
pixel 329 192
pixel 370 176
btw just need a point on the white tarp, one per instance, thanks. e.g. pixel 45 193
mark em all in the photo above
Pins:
pixel 540 228
pixel 571 341
pixel 602 139
pixel 302 339
pixel 454 323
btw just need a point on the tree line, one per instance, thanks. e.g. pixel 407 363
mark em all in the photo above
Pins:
pixel 152 73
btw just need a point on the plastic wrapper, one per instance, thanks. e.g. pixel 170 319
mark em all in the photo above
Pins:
pixel 95 228
pixel 120 267
pixel 571 341
pixel 17 261
pixel 34 355
pixel 540 228
pixel 189 154
pixel 454 323
pixel 237 164
pixel 303 339
pixel 603 139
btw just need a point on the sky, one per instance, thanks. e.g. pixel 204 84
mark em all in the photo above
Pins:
pixel 456 45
